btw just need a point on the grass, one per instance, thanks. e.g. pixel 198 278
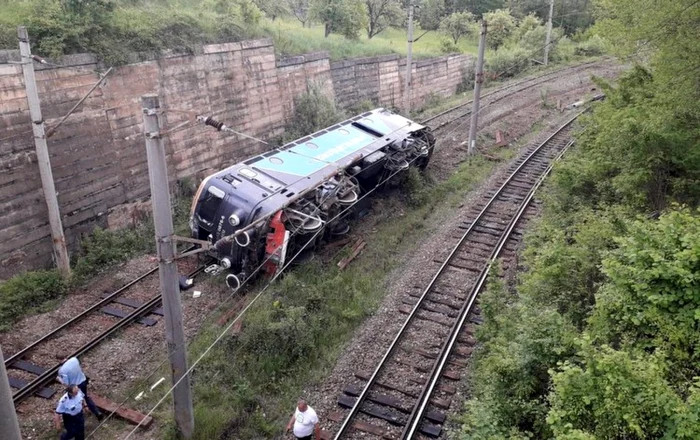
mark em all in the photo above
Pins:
pixel 292 39
pixel 293 335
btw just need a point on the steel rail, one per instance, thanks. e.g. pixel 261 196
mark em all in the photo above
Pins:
pixel 50 374
pixel 502 89
pixel 106 300
pixel 394 344
pixel 418 412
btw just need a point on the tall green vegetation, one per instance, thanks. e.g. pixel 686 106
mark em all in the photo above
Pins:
pixel 601 339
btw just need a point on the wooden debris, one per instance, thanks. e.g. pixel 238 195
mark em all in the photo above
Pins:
pixel 356 250
pixel 130 415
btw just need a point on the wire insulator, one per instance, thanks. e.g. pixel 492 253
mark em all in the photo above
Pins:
pixel 214 123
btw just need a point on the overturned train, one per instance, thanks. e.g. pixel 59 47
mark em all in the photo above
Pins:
pixel 261 212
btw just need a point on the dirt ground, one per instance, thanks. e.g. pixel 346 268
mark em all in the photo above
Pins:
pixel 119 368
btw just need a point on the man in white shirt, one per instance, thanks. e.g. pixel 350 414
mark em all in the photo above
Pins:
pixel 305 423
pixel 70 409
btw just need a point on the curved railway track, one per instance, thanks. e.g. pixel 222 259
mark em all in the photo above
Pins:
pixel 398 399
pixel 452 114
pixel 46 375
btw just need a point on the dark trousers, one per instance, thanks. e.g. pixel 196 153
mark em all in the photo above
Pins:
pixel 75 427
pixel 91 405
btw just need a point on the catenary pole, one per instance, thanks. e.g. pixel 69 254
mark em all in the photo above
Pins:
pixel 42 155
pixel 409 64
pixel 478 80
pixel 169 278
pixel 548 39
pixel 9 427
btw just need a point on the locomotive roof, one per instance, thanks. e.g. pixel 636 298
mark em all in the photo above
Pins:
pixel 310 160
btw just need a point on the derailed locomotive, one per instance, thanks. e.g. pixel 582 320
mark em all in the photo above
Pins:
pixel 260 212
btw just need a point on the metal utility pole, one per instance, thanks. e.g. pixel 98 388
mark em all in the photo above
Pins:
pixel 8 417
pixel 409 63
pixel 169 278
pixel 478 80
pixel 549 32
pixel 42 155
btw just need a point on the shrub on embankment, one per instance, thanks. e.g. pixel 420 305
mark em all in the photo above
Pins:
pixel 599 337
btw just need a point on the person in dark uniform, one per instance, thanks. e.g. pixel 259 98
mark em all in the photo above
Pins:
pixel 70 373
pixel 70 409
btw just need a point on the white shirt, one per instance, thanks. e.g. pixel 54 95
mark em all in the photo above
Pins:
pixel 71 405
pixel 70 373
pixel 304 422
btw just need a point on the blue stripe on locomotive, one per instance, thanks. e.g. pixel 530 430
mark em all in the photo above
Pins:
pixel 317 153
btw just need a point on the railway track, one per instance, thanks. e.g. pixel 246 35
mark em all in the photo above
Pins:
pixel 452 114
pixel 46 375
pixel 407 393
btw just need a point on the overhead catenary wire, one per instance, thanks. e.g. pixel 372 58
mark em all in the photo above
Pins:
pixel 272 280
pixel 246 281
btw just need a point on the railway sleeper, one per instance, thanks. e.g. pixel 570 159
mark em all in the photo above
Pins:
pixel 365 376
pixel 389 416
pixel 449 310
pixel 456 296
pixel 436 319
pixel 393 402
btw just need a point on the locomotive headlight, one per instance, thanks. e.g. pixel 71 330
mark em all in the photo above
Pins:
pixel 233 220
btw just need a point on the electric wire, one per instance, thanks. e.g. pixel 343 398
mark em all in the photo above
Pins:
pixel 272 280
pixel 243 283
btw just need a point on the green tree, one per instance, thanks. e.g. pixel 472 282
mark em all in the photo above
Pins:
pixel 381 14
pixel 501 25
pixel 613 394
pixel 300 9
pixel 458 25
pixel 344 17
pixel 652 297
pixel 526 24
pixel 430 14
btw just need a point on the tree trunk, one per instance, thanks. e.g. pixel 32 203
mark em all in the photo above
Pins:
pixel 327 30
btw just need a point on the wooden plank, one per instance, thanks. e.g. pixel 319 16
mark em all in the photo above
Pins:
pixel 365 376
pixel 373 429
pixel 46 393
pixel 130 415
pixel 463 351
pixel 380 413
pixel 149 322
pixel 393 402
pixel 381 399
pixel 430 430
pixel 28 367
pixel 133 304
pixel 357 249
pixel 441 403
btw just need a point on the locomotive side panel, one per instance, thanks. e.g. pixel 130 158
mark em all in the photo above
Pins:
pixel 294 196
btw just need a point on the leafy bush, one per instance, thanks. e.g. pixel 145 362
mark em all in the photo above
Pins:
pixel 27 293
pixel 507 62
pixel 313 111
pixel 593 46
pixel 448 46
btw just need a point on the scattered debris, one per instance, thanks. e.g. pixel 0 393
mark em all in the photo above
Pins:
pixel 196 294
pixel 130 415
pixel 160 381
pixel 356 250
pixel 185 283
